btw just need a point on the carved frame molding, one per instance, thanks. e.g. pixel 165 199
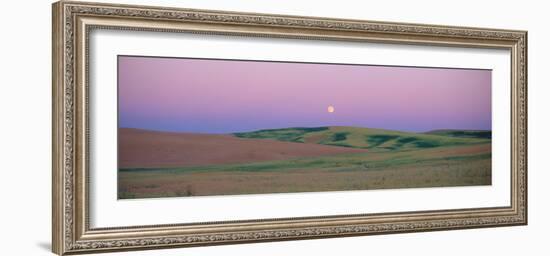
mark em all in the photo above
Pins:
pixel 72 22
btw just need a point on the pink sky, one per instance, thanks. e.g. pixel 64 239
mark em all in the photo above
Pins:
pixel 224 96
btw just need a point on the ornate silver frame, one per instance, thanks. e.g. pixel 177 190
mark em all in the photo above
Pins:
pixel 72 21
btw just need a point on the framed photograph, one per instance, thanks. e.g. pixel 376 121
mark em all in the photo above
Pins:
pixel 179 127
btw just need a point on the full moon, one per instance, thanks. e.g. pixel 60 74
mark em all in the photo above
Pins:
pixel 330 109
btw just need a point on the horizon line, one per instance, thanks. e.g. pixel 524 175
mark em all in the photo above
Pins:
pixel 303 127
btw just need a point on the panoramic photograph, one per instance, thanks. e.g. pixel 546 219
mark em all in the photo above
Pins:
pixel 213 127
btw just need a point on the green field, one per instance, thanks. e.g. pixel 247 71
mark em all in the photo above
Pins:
pixel 374 139
pixel 392 159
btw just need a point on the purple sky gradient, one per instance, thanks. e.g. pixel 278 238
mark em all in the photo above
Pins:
pixel 223 96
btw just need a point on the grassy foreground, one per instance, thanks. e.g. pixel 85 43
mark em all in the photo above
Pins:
pixel 394 160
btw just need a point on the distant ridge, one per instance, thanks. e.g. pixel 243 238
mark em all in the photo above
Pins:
pixel 369 138
pixel 483 134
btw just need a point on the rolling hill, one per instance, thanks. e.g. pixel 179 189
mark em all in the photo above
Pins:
pixel 372 139
pixel 167 164
pixel 154 149
pixel 481 134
